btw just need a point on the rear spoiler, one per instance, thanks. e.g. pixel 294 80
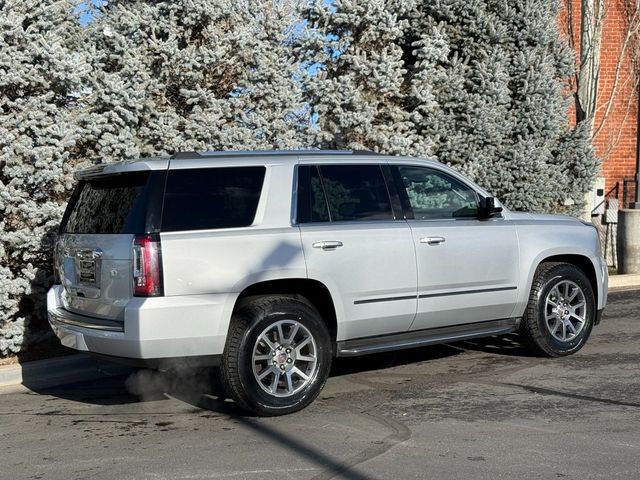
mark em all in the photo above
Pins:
pixel 138 165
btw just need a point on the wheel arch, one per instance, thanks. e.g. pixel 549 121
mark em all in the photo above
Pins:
pixel 583 262
pixel 313 291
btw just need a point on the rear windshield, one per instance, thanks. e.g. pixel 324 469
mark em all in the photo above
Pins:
pixel 208 198
pixel 114 204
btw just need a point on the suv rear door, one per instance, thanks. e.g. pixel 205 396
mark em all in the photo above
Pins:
pixel 93 255
pixel 468 268
pixel 355 243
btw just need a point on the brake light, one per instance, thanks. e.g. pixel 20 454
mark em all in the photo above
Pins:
pixel 147 266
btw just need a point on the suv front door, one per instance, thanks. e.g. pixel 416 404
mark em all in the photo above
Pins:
pixel 355 245
pixel 467 266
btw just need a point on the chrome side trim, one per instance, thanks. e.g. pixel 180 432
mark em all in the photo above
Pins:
pixel 62 316
pixel 429 295
pixel 419 338
pixel 385 299
pixel 466 292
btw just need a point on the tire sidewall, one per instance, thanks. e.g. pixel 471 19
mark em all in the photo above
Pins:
pixel 554 276
pixel 269 404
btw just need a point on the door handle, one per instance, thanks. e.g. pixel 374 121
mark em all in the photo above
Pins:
pixel 432 240
pixel 327 245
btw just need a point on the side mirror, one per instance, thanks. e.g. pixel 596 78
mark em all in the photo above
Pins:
pixel 490 207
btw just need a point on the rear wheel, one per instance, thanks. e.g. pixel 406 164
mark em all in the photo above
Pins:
pixel 561 310
pixel 277 355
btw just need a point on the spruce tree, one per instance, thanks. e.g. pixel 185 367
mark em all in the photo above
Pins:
pixel 175 76
pixel 41 78
pixel 479 85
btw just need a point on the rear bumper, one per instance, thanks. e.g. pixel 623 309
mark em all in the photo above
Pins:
pixel 152 328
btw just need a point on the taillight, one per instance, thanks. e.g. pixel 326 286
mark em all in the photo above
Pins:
pixel 147 266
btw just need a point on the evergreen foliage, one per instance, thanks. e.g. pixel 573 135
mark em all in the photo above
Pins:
pixel 198 75
pixel 476 84
pixel 479 85
pixel 40 77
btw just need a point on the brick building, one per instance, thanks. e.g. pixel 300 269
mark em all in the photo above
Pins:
pixel 615 126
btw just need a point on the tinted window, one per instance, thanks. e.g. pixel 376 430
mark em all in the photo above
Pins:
pixel 436 195
pixel 356 192
pixel 312 204
pixel 208 198
pixel 114 204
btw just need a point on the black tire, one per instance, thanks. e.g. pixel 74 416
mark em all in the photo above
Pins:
pixel 535 329
pixel 237 369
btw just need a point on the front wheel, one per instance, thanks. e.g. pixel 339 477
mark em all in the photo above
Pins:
pixel 561 310
pixel 277 356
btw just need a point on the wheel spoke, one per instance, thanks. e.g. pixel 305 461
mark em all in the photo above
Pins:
pixel 276 379
pixel 299 372
pixel 293 333
pixel 302 344
pixel 262 357
pixel 266 372
pixel 578 305
pixel 571 327
pixel 280 334
pixel 305 358
pixel 573 295
pixel 578 318
pixel 564 331
pixel 289 382
pixel 268 342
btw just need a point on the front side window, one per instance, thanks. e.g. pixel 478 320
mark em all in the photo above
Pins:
pixel 208 198
pixel 434 195
pixel 341 193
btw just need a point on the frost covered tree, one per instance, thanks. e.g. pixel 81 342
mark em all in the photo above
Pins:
pixel 142 78
pixel 41 76
pixel 192 75
pixel 478 85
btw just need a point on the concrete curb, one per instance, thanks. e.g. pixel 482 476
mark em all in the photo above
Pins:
pixel 58 371
pixel 624 282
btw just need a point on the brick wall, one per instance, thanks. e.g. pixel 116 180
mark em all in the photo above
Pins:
pixel 615 138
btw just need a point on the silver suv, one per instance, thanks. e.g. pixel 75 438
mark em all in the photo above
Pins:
pixel 269 264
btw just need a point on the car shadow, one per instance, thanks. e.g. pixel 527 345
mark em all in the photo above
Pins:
pixel 501 345
pixel 201 388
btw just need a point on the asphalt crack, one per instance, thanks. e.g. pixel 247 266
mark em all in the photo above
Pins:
pixel 576 396
pixel 400 433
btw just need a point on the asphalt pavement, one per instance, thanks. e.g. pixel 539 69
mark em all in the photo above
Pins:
pixel 472 410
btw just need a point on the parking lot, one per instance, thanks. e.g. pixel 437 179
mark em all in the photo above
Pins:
pixel 481 409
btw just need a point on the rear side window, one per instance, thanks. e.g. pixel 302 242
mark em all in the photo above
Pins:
pixel 312 204
pixel 208 198
pixel 356 192
pixel 113 204
pixel 342 193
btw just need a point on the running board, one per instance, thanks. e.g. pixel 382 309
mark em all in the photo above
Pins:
pixel 420 338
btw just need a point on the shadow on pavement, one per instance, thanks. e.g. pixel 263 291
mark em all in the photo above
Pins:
pixel 502 345
pixel 200 386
